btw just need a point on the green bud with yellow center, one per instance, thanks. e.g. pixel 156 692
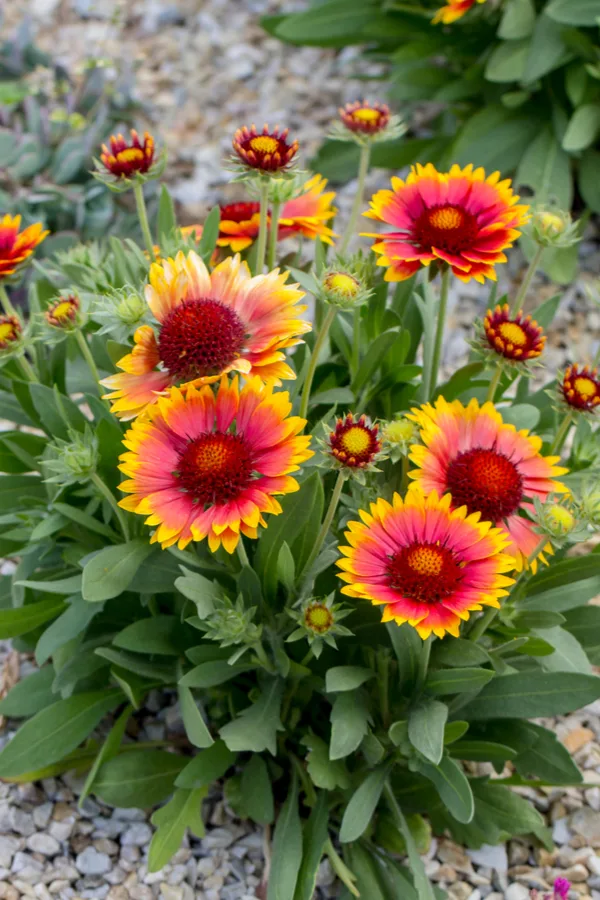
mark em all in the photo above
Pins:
pixel 553 227
pixel 343 288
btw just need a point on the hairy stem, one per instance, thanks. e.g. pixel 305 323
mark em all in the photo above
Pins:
pixel 138 191
pixel 363 168
pixel 261 244
pixel 494 382
pixel 522 292
pixel 87 355
pixel 7 306
pixel 324 530
pixel 322 335
pixel 108 494
pixel 439 333
pixel 272 255
pixel 561 435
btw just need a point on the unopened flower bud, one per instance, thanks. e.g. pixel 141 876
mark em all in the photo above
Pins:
pixel 590 508
pixel 558 520
pixel 10 332
pixel 553 227
pixel 398 437
pixel 73 461
pixel 319 622
pixel 63 313
pixel 343 289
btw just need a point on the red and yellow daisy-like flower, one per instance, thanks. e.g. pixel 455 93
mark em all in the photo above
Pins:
pixel 581 388
pixel 306 215
pixel 487 466
pixel 453 10
pixel 10 332
pixel 514 337
pixel 125 159
pixel 364 117
pixel 17 246
pixel 63 312
pixel 207 464
pixel 354 443
pixel 460 218
pixel 268 151
pixel 209 323
pixel 426 563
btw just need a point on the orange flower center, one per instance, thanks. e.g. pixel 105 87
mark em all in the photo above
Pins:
pixel 318 618
pixel 131 155
pixel 264 143
pixel 585 387
pixel 485 481
pixel 354 444
pixel 356 440
pixel 201 337
pixel 513 333
pixel 365 114
pixel 215 467
pixel 424 572
pixel 10 331
pixel 447 228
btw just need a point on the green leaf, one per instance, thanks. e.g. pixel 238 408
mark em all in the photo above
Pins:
pixel 140 778
pixel 29 695
pixel 141 665
pixel 55 731
pixel 18 451
pixel 163 635
pixel 407 647
pixel 459 653
pixel 287 849
pixel 566 584
pixel 426 723
pixel 15 489
pixel 517 21
pixel 210 233
pixel 257 793
pixel 454 730
pixel 481 751
pixel 331 24
pixel 69 160
pixel 211 674
pixel 87 521
pixel 507 61
pixel 494 138
pixel 583 128
pixel 584 624
pixel 374 358
pixel 199 590
pixel 56 411
pixel 111 571
pixel 547 759
pixel 422 883
pixel 108 750
pixel 510 813
pixel 530 695
pixel 184 810
pixel 537 618
pixel 206 767
pixel 573 12
pixel 363 804
pixel 546 169
pixel 62 586
pixel 70 624
pixel 453 787
pixel 547 50
pixel 349 723
pixel 193 721
pixel 456 681
pixel 568 656
pixel 314 839
pixel 256 726
pixel 166 221
pixel 14 622
pixel 589 165
pixel 346 678
pixel 324 772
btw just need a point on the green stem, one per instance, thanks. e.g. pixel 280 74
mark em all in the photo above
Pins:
pixel 354 360
pixel 561 435
pixel 439 334
pixel 261 244
pixel 7 306
pixel 262 656
pixel 383 665
pixel 424 663
pixel 108 494
pixel 321 337
pixel 27 369
pixel 363 168
pixel 241 551
pixel 138 191
pixel 522 292
pixel 324 530
pixel 87 355
pixel 494 382
pixel 272 255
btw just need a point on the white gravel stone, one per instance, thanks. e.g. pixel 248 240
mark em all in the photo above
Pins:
pixel 8 847
pixel 90 862
pixel 43 843
pixel 561 833
pixel 517 892
pixel 139 835
pixel 494 857
pixel 42 814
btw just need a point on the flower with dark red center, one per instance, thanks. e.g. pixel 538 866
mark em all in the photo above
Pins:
pixel 487 466
pixel 365 117
pixel 318 617
pixel 10 332
pixel 125 159
pixel 63 312
pixel 580 388
pixel 460 218
pixel 453 10
pixel 354 443
pixel 517 338
pixel 426 563
pixel 206 464
pixel 17 246
pixel 209 323
pixel 267 151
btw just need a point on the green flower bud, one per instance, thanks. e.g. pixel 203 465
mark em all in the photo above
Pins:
pixel 553 227
pixel 558 520
pixel 343 288
pixel 73 461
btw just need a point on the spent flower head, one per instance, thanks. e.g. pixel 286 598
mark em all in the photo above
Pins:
pixel 73 461
pixel 553 227
pixel 318 620
pixel 364 122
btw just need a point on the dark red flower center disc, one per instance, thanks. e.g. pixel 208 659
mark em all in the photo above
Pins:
pixel 485 481
pixel 201 337
pixel 446 227
pixel 424 572
pixel 239 212
pixel 215 467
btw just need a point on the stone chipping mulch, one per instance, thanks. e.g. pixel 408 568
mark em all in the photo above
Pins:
pixel 204 67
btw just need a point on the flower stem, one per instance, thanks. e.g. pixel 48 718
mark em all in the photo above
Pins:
pixel 494 382
pixel 354 360
pixel 561 435
pixel 140 203
pixel 439 334
pixel 522 292
pixel 87 355
pixel 424 663
pixel 363 168
pixel 6 302
pixel 241 551
pixel 323 332
pixel 108 494
pixel 272 255
pixel 263 227
pixel 324 530
pixel 27 369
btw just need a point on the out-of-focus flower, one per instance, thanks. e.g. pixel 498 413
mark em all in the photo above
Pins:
pixel 487 466
pixel 580 388
pixel 209 323
pixel 364 123
pixel 553 227
pixel 459 219
pixel 121 313
pixel 516 338
pixel 427 564
pixel 318 621
pixel 11 333
pixel 16 247
pixel 398 436
pixel 453 10
pixel 202 464
pixel 64 313
pixel 266 150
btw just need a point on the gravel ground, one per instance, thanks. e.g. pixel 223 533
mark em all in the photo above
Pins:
pixel 205 66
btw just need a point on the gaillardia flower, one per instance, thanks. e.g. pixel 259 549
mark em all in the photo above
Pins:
pixel 10 332
pixel 125 159
pixel 516 338
pixel 459 218
pixel 63 313
pixel 354 443
pixel 17 246
pixel 364 117
pixel 209 323
pixel 202 464
pixel 486 465
pixel 453 10
pixel 426 563
pixel 267 151
pixel 580 388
